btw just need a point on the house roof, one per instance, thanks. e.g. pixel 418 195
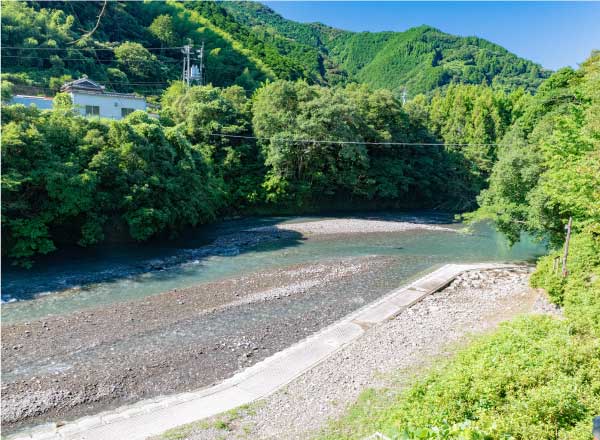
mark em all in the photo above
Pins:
pixel 46 98
pixel 82 84
pixel 112 94
pixel 88 87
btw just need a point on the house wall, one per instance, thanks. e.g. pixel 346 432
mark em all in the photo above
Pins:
pixel 110 106
pixel 39 101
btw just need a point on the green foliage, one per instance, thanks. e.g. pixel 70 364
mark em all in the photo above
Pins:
pixel 579 292
pixel 200 112
pixel 136 61
pixel 69 179
pixel 302 172
pixel 470 120
pixel 530 379
pixel 548 166
pixel 62 102
pixel 7 89
pixel 246 43
pixel 162 28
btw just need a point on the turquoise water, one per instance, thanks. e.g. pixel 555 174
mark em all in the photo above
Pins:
pixel 41 291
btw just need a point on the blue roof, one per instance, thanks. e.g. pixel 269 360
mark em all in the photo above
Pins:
pixel 41 102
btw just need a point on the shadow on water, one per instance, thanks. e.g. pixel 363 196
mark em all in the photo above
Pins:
pixel 76 267
pixel 80 268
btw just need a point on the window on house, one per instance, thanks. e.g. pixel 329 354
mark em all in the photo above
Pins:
pixel 125 111
pixel 92 110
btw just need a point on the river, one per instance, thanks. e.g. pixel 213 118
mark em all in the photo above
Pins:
pixel 82 279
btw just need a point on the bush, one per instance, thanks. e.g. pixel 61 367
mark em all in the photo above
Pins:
pixel 580 291
pixel 530 379
pixel 62 172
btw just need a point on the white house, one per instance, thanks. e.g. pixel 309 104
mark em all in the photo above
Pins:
pixel 91 99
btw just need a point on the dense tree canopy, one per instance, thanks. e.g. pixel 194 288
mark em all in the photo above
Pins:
pixel 66 178
pixel 548 166
pixel 290 115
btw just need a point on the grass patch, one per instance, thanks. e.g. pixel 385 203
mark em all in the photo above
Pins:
pixel 222 422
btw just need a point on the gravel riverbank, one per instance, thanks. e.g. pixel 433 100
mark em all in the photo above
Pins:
pixel 62 367
pixel 475 302
pixel 349 226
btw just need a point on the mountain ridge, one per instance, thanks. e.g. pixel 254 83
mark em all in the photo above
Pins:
pixel 344 47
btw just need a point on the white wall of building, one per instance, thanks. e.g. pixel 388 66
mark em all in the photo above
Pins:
pixel 109 106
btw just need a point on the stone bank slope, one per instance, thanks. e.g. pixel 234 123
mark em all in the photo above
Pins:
pixel 474 302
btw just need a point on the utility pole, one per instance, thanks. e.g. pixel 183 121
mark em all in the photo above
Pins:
pixel 187 68
pixel 201 69
pixel 566 253
pixel 191 72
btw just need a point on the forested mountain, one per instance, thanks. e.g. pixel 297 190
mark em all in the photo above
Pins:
pixel 420 59
pixel 135 46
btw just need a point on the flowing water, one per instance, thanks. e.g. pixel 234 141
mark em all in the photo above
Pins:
pixel 83 279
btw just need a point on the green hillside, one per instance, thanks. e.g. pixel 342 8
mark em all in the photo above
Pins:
pixel 135 47
pixel 420 59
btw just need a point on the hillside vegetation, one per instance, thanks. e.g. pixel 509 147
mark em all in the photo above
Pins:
pixel 536 377
pixel 420 59
pixel 136 47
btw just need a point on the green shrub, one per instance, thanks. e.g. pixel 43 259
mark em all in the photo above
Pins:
pixel 531 379
pixel 579 292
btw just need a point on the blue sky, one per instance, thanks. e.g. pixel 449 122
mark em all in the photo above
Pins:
pixel 554 34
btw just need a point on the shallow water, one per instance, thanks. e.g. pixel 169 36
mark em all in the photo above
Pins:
pixel 48 287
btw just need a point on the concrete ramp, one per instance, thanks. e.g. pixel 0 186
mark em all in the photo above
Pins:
pixel 154 416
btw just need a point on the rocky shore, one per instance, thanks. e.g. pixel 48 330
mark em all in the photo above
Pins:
pixel 62 367
pixel 474 303
pixel 348 226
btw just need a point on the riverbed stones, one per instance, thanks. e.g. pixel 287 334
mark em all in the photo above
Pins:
pixel 386 354
pixel 171 342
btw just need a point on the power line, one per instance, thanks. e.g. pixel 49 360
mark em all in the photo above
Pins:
pixel 317 141
pixel 91 59
pixel 82 48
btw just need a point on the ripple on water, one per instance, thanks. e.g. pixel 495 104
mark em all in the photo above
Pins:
pixel 416 249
